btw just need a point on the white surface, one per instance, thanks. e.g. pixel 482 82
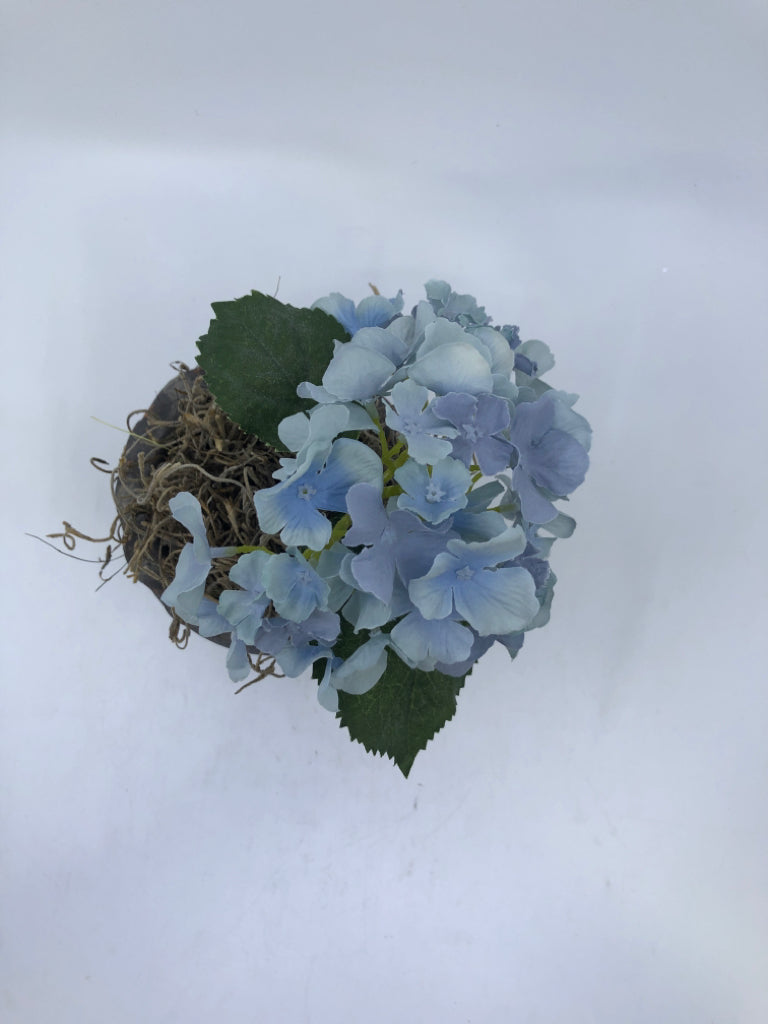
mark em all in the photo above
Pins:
pixel 586 841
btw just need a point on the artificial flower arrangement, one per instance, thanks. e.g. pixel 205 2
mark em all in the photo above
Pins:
pixel 357 492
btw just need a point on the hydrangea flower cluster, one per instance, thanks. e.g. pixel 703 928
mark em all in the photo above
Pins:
pixel 416 509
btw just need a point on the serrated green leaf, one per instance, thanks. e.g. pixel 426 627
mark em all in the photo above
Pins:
pixel 403 711
pixel 255 354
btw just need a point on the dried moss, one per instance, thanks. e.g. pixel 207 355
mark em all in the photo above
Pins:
pixel 184 442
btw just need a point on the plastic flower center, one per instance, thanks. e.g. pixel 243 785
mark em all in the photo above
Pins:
pixel 434 493
pixel 470 431
pixel 465 573
pixel 305 491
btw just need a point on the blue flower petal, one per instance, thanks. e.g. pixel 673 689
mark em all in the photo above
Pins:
pixel 457 366
pixel 356 373
pixel 497 600
pixel 363 669
pixel 191 573
pixel 425 642
pixel 237 662
pixel 295 588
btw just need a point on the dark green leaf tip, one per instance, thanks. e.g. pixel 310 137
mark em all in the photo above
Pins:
pixel 256 353
pixel 400 715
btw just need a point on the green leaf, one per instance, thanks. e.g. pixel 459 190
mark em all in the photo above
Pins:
pixel 403 711
pixel 255 354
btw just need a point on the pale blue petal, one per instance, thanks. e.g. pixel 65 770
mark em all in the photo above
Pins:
pixel 454 367
pixel 243 611
pixel 374 572
pixel 480 646
pixel 238 665
pixel 560 462
pixel 295 588
pixel 188 604
pixel 500 355
pixel 209 621
pixel 382 342
pixel 535 507
pixel 191 573
pixel 478 525
pixel 375 310
pixel 503 547
pixel 497 601
pixel 315 392
pixel 293 431
pixel 364 611
pixel 539 354
pixel 427 449
pixel 441 333
pixel 357 374
pixel 561 526
pixel 432 594
pixel 340 308
pixel 425 642
pixel 437 495
pixel 329 568
pixel 286 509
pixel 364 668
pixel 185 509
pixel 369 520
pixel 568 420
pixel 295 646
pixel 248 571
pixel 350 462
pixel 306 527
pixel 328 695
pixel 447 303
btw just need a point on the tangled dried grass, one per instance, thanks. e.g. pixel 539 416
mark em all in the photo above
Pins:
pixel 184 442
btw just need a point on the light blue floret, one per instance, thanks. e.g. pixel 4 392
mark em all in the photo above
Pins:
pixel 245 608
pixel 372 311
pixel 411 415
pixel 435 495
pixel 296 645
pixel 294 586
pixel 294 507
pixel 465 580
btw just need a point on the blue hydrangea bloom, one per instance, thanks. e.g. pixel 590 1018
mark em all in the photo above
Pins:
pixel 480 420
pixel 430 566
pixel 433 495
pixel 373 311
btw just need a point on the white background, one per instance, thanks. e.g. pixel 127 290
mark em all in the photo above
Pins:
pixel 586 841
